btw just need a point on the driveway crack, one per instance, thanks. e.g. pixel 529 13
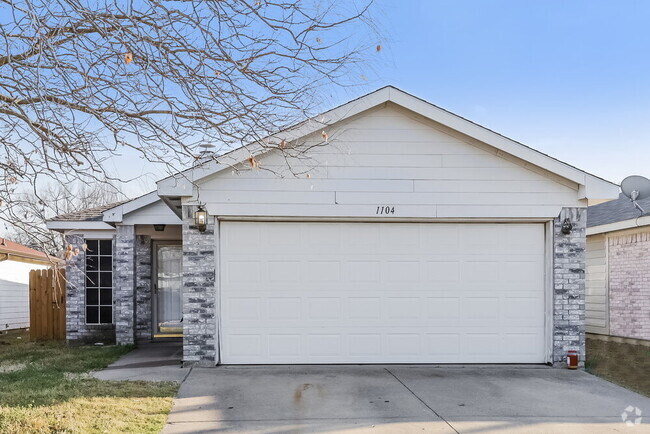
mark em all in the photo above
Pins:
pixel 420 399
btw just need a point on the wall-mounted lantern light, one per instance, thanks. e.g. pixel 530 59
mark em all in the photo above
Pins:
pixel 159 228
pixel 566 226
pixel 201 219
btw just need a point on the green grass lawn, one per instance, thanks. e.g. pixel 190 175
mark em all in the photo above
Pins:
pixel 44 387
pixel 624 364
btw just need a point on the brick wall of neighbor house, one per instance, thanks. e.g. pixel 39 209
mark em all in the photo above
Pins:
pixel 569 286
pixel 629 285
pixel 199 304
pixel 124 284
pixel 143 287
pixel 76 329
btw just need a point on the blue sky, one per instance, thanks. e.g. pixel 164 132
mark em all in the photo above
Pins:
pixel 569 78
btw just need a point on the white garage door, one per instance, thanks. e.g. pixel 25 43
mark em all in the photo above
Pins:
pixel 381 293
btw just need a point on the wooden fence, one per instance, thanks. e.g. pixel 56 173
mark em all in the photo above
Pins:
pixel 47 304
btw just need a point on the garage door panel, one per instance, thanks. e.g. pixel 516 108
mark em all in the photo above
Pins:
pixel 328 270
pixel 278 236
pixel 284 308
pixel 443 309
pixel 441 271
pixel 284 345
pixel 282 271
pixel 365 344
pixel 382 293
pixel 363 271
pixel 244 308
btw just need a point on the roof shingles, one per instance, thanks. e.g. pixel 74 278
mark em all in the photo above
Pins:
pixel 89 214
pixel 617 210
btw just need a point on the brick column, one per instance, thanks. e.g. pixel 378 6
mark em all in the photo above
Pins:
pixel 199 321
pixel 75 285
pixel 143 287
pixel 629 285
pixel 569 286
pixel 124 284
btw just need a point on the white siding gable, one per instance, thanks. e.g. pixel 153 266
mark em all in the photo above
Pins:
pixel 155 213
pixel 388 156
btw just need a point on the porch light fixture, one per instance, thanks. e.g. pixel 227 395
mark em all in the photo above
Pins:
pixel 201 219
pixel 566 226
pixel 159 228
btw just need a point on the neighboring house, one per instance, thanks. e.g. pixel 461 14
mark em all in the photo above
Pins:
pixel 618 269
pixel 16 261
pixel 406 234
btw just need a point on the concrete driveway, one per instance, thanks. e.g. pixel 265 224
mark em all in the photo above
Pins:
pixel 400 399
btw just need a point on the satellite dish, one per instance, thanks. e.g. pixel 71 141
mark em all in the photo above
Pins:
pixel 635 188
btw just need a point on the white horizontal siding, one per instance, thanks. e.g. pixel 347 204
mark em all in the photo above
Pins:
pixel 156 213
pixel 388 156
pixel 14 305
pixel 14 294
pixel 18 272
pixel 596 303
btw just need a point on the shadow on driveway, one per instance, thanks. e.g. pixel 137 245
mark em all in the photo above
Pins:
pixel 398 398
pixel 159 361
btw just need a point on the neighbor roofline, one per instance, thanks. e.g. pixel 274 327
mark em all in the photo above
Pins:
pixel 590 186
pixel 33 256
pixel 618 226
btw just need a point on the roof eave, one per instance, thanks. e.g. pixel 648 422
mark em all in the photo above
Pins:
pixel 591 187
pixel 618 226
pixel 66 225
pixel 116 214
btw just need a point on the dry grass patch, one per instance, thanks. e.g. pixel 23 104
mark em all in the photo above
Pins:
pixel 46 391
pixel 627 365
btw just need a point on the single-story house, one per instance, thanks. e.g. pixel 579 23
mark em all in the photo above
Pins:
pixel 386 230
pixel 16 261
pixel 618 269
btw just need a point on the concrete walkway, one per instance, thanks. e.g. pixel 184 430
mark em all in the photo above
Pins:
pixel 160 361
pixel 400 399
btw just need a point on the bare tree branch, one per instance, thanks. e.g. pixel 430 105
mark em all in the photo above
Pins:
pixel 82 81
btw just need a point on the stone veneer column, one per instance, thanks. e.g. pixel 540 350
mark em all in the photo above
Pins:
pixel 199 323
pixel 75 316
pixel 569 286
pixel 143 287
pixel 124 284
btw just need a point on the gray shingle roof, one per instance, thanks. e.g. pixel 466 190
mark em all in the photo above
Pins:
pixel 614 211
pixel 89 214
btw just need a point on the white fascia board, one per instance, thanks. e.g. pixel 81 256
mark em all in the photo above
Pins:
pixel 619 226
pixel 594 187
pixel 116 215
pixel 77 225
pixel 597 188
pixel 491 138
pixel 91 234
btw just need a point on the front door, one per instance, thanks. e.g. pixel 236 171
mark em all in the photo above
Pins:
pixel 168 303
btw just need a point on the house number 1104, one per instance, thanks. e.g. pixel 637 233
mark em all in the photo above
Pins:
pixel 386 209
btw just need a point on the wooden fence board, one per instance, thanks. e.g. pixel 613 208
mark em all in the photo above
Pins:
pixel 47 304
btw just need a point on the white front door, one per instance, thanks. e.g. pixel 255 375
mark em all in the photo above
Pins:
pixel 168 303
pixel 382 292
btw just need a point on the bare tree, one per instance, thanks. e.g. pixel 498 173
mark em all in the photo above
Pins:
pixel 29 212
pixel 81 80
